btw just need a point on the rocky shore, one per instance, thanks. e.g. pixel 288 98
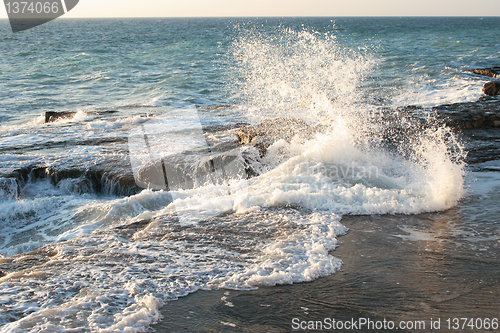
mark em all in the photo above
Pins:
pixel 485 113
pixel 491 88
pixel 470 119
pixel 477 122
pixel 111 177
pixel 491 72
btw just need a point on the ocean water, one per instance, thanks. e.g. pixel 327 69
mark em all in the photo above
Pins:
pixel 106 255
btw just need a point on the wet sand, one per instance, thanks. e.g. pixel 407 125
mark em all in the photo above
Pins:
pixel 395 267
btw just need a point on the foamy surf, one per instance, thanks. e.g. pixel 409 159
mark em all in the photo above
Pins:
pixel 162 260
pixel 116 261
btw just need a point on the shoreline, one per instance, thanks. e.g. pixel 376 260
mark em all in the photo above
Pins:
pixel 386 274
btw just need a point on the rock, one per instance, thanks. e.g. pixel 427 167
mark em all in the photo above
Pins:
pixel 492 88
pixel 176 172
pixel 219 107
pixel 51 117
pixel 485 113
pixel 151 176
pixel 113 176
pixel 269 131
pixel 9 188
pixel 492 72
pixel 284 127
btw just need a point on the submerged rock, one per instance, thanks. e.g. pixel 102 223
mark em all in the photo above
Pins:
pixel 492 88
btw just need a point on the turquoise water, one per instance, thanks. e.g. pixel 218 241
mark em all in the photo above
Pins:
pixel 108 256
pixel 87 64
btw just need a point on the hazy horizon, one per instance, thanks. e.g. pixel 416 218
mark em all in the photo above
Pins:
pixel 279 8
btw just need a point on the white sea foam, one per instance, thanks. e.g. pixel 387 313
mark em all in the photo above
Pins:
pixel 308 75
pixel 82 116
pixel 117 281
pixel 431 93
pixel 119 260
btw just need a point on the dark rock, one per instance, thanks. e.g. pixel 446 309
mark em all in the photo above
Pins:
pixel 222 128
pixel 113 176
pixel 485 113
pixel 51 117
pixel 491 72
pixel 482 144
pixel 9 188
pixel 477 125
pixel 400 128
pixel 492 88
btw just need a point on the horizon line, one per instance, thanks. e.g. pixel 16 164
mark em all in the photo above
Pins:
pixel 274 16
pixel 283 16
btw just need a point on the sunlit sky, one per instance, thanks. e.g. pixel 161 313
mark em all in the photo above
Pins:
pixel 197 8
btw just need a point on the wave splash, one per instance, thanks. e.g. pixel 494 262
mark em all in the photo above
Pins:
pixel 304 74
pixel 278 227
pixel 367 160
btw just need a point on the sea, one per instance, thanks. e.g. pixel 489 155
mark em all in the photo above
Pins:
pixel 103 222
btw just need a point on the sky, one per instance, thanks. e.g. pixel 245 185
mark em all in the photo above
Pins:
pixel 221 8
